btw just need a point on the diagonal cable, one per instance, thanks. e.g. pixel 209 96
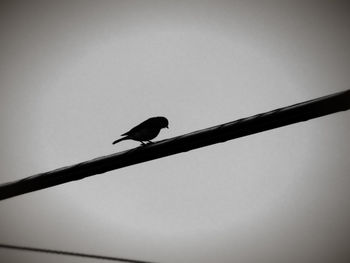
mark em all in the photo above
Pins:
pixel 221 133
pixel 69 253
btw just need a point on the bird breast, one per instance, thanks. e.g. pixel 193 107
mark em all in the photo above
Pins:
pixel 145 134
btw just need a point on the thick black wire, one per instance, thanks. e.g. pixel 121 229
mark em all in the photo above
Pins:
pixel 243 127
pixel 69 253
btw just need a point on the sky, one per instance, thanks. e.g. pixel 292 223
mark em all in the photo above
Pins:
pixel 74 75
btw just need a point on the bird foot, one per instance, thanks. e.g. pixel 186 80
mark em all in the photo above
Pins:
pixel 148 142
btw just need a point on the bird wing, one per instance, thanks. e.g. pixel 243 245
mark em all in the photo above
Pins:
pixel 139 127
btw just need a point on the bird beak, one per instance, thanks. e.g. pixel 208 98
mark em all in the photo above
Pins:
pixel 167 127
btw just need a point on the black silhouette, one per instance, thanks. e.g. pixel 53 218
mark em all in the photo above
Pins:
pixel 145 131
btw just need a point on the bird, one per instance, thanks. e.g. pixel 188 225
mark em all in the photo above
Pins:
pixel 145 131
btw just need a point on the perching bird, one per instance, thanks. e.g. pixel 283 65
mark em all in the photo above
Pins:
pixel 145 131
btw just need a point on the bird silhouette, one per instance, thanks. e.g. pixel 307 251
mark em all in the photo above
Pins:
pixel 145 131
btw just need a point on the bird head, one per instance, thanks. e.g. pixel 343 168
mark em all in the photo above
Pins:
pixel 163 122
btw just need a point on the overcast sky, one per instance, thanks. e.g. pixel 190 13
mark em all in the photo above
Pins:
pixel 74 75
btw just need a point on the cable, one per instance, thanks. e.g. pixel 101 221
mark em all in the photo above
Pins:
pixel 246 126
pixel 68 253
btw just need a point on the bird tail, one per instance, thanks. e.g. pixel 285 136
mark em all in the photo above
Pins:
pixel 121 139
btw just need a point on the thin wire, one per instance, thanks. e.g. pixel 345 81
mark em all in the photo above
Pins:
pixel 69 253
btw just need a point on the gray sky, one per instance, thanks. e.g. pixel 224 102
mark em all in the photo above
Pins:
pixel 75 75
